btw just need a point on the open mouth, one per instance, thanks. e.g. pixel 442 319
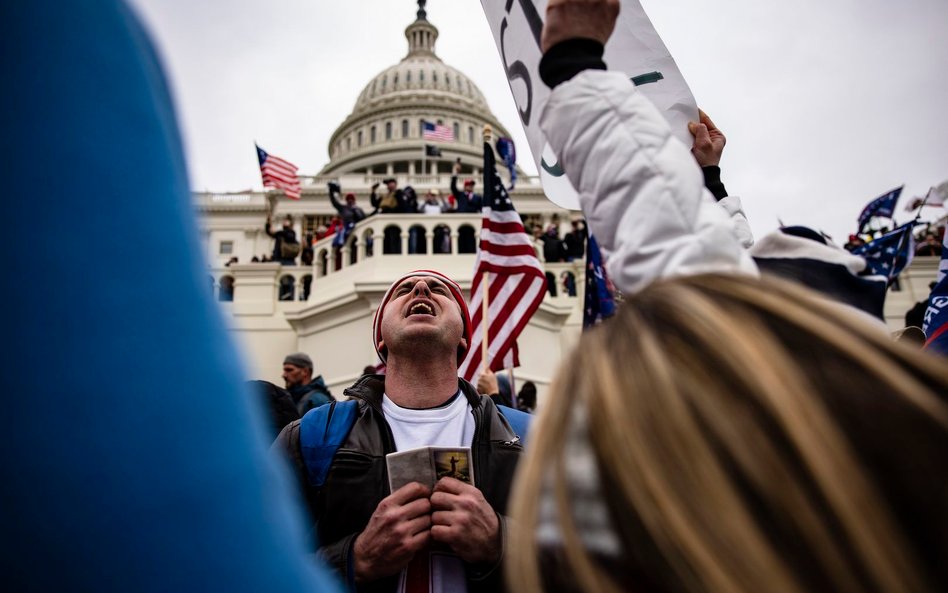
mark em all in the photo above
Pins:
pixel 421 309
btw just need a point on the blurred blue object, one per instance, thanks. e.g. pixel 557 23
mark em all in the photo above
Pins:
pixel 134 458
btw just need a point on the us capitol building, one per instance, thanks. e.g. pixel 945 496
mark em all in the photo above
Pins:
pixel 326 309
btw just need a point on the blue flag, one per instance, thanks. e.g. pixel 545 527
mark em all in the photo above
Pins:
pixel 883 206
pixel 508 152
pixel 936 316
pixel 889 254
pixel 600 304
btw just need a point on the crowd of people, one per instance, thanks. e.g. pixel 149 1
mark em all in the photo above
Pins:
pixel 742 424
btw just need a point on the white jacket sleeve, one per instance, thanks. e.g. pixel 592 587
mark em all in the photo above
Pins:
pixel 640 188
pixel 732 205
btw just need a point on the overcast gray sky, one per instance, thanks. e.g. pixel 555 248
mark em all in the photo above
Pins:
pixel 825 105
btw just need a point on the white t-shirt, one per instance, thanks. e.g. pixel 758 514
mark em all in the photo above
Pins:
pixel 448 426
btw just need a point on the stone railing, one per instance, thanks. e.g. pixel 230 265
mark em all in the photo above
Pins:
pixel 379 236
pixel 403 179
pixel 382 235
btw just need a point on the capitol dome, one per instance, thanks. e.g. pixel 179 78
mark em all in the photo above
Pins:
pixel 383 134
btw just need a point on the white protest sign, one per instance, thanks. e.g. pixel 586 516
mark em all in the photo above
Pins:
pixel 634 48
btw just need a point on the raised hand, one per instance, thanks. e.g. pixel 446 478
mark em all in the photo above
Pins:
pixel 572 19
pixel 709 141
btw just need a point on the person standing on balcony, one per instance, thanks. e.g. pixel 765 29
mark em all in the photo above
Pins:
pixel 575 241
pixel 350 214
pixel 284 240
pixel 348 211
pixel 467 200
pixel 393 202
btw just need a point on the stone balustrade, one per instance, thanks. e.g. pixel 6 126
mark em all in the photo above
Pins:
pixel 383 236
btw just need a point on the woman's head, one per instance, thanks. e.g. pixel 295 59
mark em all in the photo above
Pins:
pixel 748 437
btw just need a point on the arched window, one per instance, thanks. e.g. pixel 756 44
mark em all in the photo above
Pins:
pixel 227 289
pixel 392 243
pixel 408 77
pixel 349 143
pixel 384 81
pixel 322 260
pixel 421 127
pixel 395 80
pixel 551 283
pixel 421 75
pixel 367 238
pixel 372 135
pixel 388 130
pixel 353 244
pixel 457 131
pixel 287 288
pixel 434 76
pixel 417 243
pixel 442 239
pixel 467 239
pixel 470 134
pixel 404 128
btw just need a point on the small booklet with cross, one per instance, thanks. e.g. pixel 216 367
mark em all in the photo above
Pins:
pixel 427 465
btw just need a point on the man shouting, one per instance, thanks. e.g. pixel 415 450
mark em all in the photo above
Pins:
pixel 451 537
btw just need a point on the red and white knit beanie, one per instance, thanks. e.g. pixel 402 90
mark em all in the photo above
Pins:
pixel 455 292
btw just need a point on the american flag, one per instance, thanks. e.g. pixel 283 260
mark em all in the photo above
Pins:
pixel 516 279
pixel 430 131
pixel 279 174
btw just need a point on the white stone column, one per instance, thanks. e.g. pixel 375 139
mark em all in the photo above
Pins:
pixel 256 288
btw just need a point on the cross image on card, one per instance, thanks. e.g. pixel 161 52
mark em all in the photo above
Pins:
pixel 427 465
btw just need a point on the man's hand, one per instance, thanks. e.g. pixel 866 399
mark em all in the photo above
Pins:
pixel 487 383
pixel 334 187
pixel 572 19
pixel 457 168
pixel 464 520
pixel 375 186
pixel 399 527
pixel 709 141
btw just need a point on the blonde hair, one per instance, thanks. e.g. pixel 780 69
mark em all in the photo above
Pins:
pixel 728 417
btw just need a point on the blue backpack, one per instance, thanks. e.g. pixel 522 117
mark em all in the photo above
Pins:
pixel 323 430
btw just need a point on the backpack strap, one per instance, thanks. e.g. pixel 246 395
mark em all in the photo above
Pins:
pixel 322 431
pixel 519 422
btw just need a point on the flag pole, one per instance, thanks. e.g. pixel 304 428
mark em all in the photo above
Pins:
pixel 485 287
pixel 485 325
pixel 513 390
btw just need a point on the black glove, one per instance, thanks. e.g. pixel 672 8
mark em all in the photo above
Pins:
pixel 334 187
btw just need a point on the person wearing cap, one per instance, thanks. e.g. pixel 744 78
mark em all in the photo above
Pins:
pixel 467 200
pixel 307 392
pixel 348 211
pixel 392 201
pixel 434 203
pixel 380 540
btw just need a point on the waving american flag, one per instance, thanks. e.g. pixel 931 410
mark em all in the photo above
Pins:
pixel 515 279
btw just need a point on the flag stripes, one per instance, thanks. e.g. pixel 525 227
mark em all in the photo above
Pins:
pixel 279 174
pixel 431 131
pixel 516 282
